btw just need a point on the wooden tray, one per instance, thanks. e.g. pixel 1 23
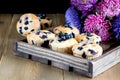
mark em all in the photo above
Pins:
pixel 89 68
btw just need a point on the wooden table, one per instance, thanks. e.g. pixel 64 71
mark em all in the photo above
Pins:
pixel 17 68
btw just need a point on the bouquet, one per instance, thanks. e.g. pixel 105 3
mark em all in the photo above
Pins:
pixel 101 17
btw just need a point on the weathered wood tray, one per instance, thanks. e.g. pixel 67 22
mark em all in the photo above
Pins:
pixel 89 68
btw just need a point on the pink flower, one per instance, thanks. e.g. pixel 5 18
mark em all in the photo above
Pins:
pixel 98 25
pixel 85 6
pixel 109 8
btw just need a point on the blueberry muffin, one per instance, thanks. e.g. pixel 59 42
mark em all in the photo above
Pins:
pixel 62 45
pixel 46 22
pixel 28 23
pixel 40 37
pixel 87 51
pixel 66 29
pixel 88 38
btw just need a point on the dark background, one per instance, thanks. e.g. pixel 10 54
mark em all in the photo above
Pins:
pixel 34 6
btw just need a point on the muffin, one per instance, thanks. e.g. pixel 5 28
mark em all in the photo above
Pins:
pixel 66 29
pixel 62 45
pixel 46 22
pixel 28 23
pixel 88 38
pixel 40 37
pixel 87 51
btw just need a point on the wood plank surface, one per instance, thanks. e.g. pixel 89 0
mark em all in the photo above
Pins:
pixel 111 74
pixel 5 20
pixel 17 68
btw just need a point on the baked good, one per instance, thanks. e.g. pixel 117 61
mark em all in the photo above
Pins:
pixel 88 38
pixel 27 23
pixel 66 29
pixel 87 51
pixel 40 37
pixel 46 22
pixel 62 45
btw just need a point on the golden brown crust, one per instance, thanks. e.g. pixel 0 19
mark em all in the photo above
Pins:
pixel 88 51
pixel 92 38
pixel 64 46
pixel 39 37
pixel 64 29
pixel 29 20
pixel 46 23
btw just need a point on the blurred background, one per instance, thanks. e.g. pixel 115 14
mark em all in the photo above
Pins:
pixel 35 6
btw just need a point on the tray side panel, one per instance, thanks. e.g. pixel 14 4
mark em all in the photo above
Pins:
pixel 18 53
pixel 105 62
pixel 52 58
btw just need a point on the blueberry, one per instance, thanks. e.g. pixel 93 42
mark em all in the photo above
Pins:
pixel 38 32
pixel 97 37
pixel 20 31
pixel 51 41
pixel 70 35
pixel 43 37
pixel 73 35
pixel 32 30
pixel 20 21
pixel 68 26
pixel 60 34
pixel 83 44
pixel 26 23
pixel 47 32
pixel 91 43
pixel 63 37
pixel 26 28
pixel 30 21
pixel 81 39
pixel 80 48
pixel 20 28
pixel 97 42
pixel 26 18
pixel 42 16
pixel 92 51
pixel 87 38
pixel 46 25
pixel 84 55
pixel 60 40
pixel 88 34
pixel 67 36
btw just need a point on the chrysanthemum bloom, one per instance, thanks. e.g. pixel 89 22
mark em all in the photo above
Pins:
pixel 98 25
pixel 109 8
pixel 116 27
pixel 72 17
pixel 84 6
